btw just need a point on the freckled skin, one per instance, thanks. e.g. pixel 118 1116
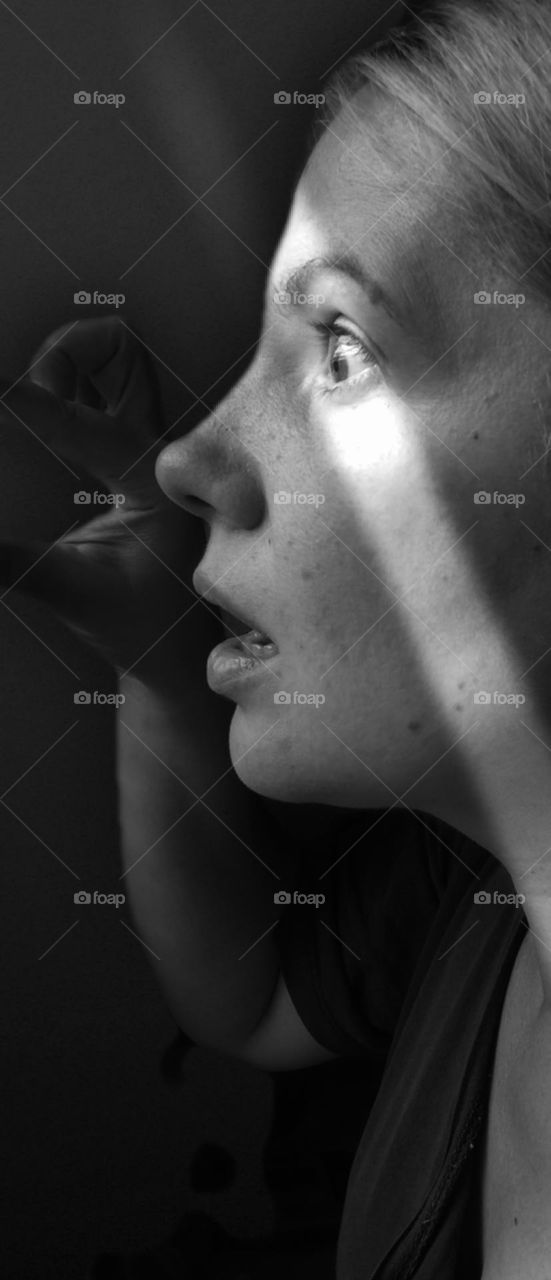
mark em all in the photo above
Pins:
pixel 389 596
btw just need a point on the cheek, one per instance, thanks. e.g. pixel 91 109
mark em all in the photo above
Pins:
pixel 312 584
pixel 329 596
pixel 376 513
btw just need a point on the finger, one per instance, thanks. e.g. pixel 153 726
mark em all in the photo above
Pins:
pixel 52 369
pixel 56 573
pixel 105 354
pixel 90 440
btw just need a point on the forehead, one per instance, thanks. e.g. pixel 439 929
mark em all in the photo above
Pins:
pixel 350 198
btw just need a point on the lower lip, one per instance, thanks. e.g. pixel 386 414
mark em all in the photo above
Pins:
pixel 238 661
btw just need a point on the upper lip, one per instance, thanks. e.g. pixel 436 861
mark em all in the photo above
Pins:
pixel 222 601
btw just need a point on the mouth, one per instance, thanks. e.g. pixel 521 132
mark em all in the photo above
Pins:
pixel 241 627
pixel 258 642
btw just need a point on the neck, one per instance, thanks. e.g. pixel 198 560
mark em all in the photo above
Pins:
pixel 506 808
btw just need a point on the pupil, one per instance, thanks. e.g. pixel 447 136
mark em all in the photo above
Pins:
pixel 337 361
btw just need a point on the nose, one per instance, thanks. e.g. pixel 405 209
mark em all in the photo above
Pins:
pixel 210 473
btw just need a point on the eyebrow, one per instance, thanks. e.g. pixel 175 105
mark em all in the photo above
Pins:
pixel 345 264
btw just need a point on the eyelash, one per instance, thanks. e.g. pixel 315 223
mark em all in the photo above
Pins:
pixel 336 330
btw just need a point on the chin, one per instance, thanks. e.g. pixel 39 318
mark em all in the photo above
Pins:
pixel 279 766
pixel 270 766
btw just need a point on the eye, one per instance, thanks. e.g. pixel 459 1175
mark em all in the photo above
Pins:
pixel 350 364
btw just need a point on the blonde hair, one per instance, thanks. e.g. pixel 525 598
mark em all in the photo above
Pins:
pixel 496 155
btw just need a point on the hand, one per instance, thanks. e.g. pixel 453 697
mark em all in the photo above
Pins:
pixel 122 578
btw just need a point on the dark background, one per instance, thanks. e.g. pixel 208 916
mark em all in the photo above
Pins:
pixel 102 1151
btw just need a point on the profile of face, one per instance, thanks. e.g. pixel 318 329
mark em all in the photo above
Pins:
pixel 374 496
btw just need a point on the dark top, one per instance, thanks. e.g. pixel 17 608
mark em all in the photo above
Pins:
pixel 401 965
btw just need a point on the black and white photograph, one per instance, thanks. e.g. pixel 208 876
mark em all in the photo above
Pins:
pixel 275 639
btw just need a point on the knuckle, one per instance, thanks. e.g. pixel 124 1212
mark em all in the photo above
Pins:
pixel 53 339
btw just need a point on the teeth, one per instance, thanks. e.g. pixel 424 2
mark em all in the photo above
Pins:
pixel 254 636
pixel 259 642
pixel 258 637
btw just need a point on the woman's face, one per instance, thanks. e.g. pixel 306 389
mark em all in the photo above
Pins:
pixel 388 589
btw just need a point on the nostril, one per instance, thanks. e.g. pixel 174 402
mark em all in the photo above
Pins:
pixel 176 492
pixel 195 506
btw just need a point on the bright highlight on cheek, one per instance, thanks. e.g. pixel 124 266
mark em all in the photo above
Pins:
pixel 365 435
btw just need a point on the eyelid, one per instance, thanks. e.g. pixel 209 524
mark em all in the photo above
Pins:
pixel 338 323
pixel 344 330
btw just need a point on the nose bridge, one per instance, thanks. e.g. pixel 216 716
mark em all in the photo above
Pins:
pixel 211 470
